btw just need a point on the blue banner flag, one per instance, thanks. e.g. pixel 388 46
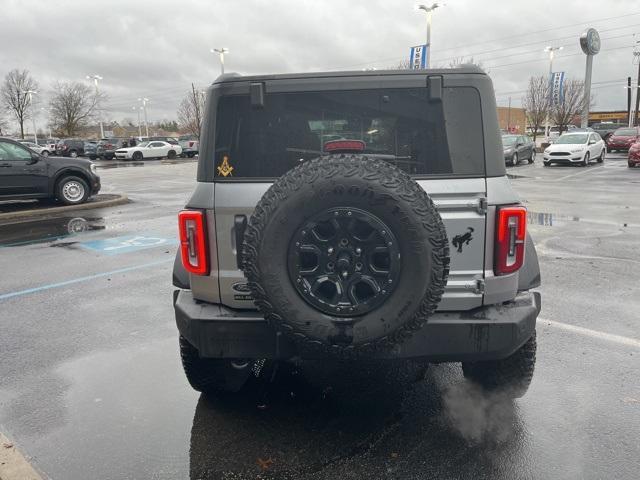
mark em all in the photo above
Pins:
pixel 418 57
pixel 556 82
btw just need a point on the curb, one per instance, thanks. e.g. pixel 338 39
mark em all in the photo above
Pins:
pixel 119 200
pixel 13 465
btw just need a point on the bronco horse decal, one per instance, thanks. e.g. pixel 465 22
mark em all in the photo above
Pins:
pixel 462 239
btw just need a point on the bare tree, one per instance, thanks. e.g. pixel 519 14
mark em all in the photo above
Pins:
pixel 568 105
pixel 191 111
pixel 14 98
pixel 536 103
pixel 73 106
pixel 4 124
pixel 461 61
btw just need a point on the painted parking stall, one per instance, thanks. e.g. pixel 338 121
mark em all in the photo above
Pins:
pixel 128 243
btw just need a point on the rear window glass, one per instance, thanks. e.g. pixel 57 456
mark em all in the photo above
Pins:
pixel 400 126
pixel 626 132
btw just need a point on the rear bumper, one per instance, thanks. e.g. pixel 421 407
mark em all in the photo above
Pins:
pixel 485 333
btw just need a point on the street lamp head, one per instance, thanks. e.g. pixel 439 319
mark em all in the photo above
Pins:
pixel 220 50
pixel 428 9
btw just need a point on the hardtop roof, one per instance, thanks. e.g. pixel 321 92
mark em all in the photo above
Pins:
pixel 236 77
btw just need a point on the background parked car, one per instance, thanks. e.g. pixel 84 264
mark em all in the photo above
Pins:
pixel 171 140
pixel 190 145
pixel 580 148
pixel 554 132
pixel 623 138
pixel 107 147
pixel 518 147
pixel 149 150
pixel 634 155
pixel 71 147
pixel 42 150
pixel 605 130
pixel 90 149
pixel 26 175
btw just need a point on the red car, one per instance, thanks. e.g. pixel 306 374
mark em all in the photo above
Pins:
pixel 634 155
pixel 623 138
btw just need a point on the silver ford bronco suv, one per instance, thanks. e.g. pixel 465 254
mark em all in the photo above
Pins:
pixel 355 215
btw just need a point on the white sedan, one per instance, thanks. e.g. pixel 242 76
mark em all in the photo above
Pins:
pixel 155 149
pixel 44 151
pixel 579 147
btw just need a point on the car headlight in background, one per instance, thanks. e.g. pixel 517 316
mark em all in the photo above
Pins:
pixel 93 168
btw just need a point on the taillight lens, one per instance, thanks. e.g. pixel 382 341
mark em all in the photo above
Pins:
pixel 193 241
pixel 511 230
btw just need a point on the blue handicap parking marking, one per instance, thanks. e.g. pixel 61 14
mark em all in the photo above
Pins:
pixel 129 243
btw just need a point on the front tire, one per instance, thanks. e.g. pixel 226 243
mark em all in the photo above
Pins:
pixel 510 376
pixel 72 190
pixel 73 154
pixel 213 375
pixel 45 153
pixel 585 160
pixel 532 158
pixel 514 160
pixel 137 156
pixel 601 157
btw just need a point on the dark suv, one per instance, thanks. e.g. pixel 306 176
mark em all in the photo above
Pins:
pixel 71 147
pixel 107 147
pixel 355 215
pixel 25 175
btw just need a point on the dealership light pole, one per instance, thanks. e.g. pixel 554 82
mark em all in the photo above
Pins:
pixel 95 79
pixel 590 44
pixel 551 51
pixel 220 52
pixel 137 109
pixel 30 94
pixel 636 58
pixel 429 12
pixel 48 119
pixel 144 108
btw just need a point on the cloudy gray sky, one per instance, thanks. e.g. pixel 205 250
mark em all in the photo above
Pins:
pixel 155 49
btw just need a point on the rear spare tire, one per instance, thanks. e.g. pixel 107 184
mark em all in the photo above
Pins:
pixel 346 253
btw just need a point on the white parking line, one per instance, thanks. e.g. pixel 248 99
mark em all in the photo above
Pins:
pixel 619 339
pixel 588 170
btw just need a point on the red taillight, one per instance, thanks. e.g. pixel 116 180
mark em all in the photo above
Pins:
pixel 193 241
pixel 191 144
pixel 344 146
pixel 511 229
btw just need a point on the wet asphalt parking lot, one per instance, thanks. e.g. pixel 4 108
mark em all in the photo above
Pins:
pixel 91 385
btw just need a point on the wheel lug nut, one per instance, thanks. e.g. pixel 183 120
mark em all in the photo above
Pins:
pixel 358 250
pixel 345 274
pixel 330 250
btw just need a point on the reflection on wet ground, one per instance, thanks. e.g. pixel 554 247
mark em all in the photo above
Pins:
pixel 47 230
pixel 131 163
pixel 554 220
pixel 321 419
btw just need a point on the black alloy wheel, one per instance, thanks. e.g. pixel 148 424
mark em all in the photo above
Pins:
pixel 344 261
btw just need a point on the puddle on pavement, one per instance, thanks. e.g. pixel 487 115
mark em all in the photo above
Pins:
pixel 47 230
pixel 120 165
pixel 555 220
pixel 142 164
